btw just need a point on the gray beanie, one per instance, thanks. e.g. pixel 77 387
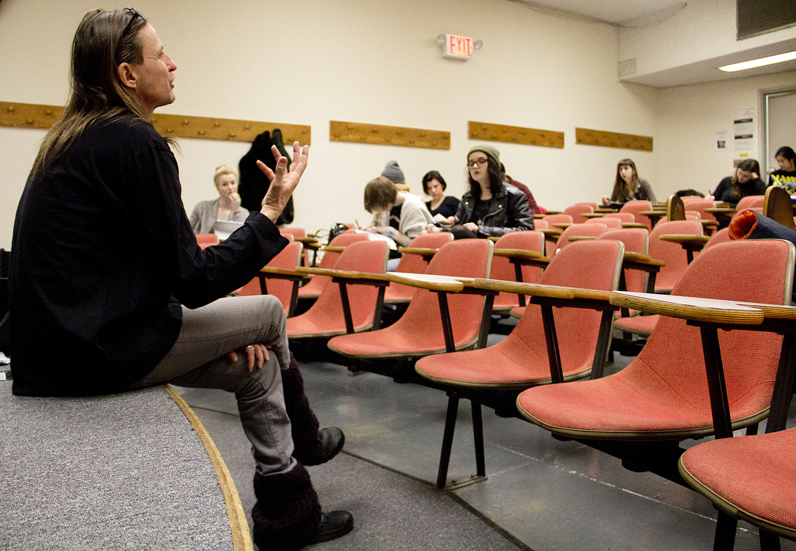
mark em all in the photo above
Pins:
pixel 393 173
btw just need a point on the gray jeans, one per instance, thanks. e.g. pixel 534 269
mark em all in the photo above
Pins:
pixel 199 359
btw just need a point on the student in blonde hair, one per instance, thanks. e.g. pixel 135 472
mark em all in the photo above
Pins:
pixel 225 207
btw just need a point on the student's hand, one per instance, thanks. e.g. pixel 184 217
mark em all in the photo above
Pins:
pixel 472 226
pixel 283 180
pixel 606 200
pixel 256 355
pixel 431 228
pixel 230 201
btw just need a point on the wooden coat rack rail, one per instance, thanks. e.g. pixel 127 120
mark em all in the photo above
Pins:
pixel 29 115
pixel 515 134
pixel 588 136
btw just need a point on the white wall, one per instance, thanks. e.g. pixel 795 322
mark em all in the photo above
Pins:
pixel 308 62
pixel 689 118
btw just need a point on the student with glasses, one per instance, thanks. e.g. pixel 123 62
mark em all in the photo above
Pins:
pixel 111 292
pixel 491 207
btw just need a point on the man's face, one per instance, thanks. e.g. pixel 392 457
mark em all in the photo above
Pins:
pixel 154 77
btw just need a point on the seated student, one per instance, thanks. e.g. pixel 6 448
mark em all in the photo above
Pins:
pixel 628 186
pixel 434 186
pixel 745 181
pixel 394 174
pixel 785 177
pixel 534 206
pixel 111 292
pixel 491 207
pixel 225 207
pixel 396 214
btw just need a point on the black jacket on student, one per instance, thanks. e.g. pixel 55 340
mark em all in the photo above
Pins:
pixel 508 211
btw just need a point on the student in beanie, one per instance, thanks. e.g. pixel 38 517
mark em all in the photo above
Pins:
pixel 491 207
pixel 393 173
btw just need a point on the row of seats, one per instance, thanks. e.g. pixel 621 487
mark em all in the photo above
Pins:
pixel 640 414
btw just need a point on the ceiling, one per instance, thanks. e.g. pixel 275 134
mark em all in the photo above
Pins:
pixel 636 13
pixel 614 12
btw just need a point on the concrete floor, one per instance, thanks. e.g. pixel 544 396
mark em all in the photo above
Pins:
pixel 544 493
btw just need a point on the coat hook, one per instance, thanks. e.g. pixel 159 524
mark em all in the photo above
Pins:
pixel 186 121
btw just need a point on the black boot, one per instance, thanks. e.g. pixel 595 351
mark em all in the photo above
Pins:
pixel 287 514
pixel 312 446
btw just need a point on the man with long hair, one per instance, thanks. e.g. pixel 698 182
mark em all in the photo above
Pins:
pixel 110 291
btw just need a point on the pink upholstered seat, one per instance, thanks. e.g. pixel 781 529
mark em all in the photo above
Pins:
pixel 626 217
pixel 577 210
pixel 557 219
pixel 326 316
pixel 315 285
pixel 414 264
pixel 495 374
pixel 289 258
pixel 609 223
pixel 635 207
pixel 636 240
pixel 206 239
pixel 663 393
pixel 520 360
pixel 419 331
pixel 504 269
pixel 751 202
pixel 699 205
pixel 579 230
pixel 671 253
pixel 750 478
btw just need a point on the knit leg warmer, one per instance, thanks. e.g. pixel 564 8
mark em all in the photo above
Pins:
pixel 304 425
pixel 287 511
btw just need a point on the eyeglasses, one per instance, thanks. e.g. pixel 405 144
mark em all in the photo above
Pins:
pixel 477 162
pixel 133 16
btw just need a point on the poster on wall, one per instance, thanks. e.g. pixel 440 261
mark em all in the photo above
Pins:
pixel 744 133
pixel 720 139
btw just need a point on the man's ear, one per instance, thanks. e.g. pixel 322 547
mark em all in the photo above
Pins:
pixel 126 75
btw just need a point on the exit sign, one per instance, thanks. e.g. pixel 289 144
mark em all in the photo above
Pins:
pixel 458 47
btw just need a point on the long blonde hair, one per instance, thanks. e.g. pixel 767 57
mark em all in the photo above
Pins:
pixel 103 40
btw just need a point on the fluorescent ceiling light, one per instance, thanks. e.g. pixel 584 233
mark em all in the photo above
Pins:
pixel 758 62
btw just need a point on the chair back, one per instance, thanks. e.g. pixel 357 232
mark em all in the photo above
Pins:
pixel 325 316
pixel 414 264
pixel 558 219
pixel 504 269
pixel 585 265
pixel 295 232
pixel 609 223
pixel 779 207
pixel 288 258
pixel 577 210
pixel 671 253
pixel 540 224
pixel 635 207
pixel 316 285
pixel 747 271
pixel 464 258
pixel 578 230
pixel 625 217
pixel 636 240
pixel 699 205
pixel 750 202
pixel 205 240
pixel 721 236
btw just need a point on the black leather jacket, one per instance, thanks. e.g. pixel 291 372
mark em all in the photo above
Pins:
pixel 508 212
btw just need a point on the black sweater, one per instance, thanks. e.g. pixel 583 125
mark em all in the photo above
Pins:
pixel 102 257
